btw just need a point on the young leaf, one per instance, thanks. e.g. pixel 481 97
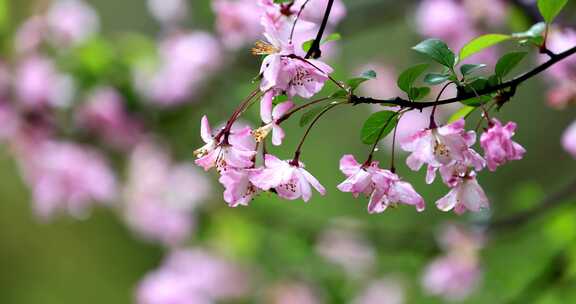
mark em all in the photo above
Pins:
pixel 481 43
pixel 435 78
pixel 535 31
pixel 508 62
pixel 353 83
pixel 380 123
pixel 407 78
pixel 464 112
pixel 307 45
pixel 438 51
pixel 551 8
pixel 467 69
pixel 332 37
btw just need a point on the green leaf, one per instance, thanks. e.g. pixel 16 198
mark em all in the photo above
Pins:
pixel 481 43
pixel 464 112
pixel 332 37
pixel 477 101
pixel 508 62
pixel 378 125
pixel 310 115
pixel 418 93
pixel 551 8
pixel 435 78
pixel 279 99
pixel 307 45
pixel 438 51
pixel 353 83
pixel 407 78
pixel 339 94
pixel 467 69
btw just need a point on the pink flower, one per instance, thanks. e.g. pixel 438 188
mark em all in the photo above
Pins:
pixel 66 176
pixel 237 153
pixel 237 21
pixel 192 276
pixel 498 145
pixel 103 112
pixel 456 274
pixel 314 11
pixel 440 147
pixel 270 117
pixel 467 194
pixel 569 139
pixel 295 76
pixel 290 181
pixel 451 277
pixel 239 188
pixel 71 21
pixel 384 187
pixel 161 196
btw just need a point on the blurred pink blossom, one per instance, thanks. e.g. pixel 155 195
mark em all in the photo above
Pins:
pixel 569 139
pixel 315 9
pixel 383 291
pixel 161 197
pixel 455 275
pixel 38 84
pixel 71 22
pixel 192 276
pixel 563 74
pixel 103 113
pixel 168 12
pixel 348 249
pixel 179 75
pixel 238 22
pixel 293 292
pixel 66 176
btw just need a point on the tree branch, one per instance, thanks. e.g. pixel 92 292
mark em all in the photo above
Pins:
pixel 557 199
pixel 512 84
pixel 314 51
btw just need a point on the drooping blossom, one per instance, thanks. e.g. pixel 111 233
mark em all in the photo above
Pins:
pixel 465 195
pixel 239 190
pixel 348 249
pixel 104 113
pixel 290 181
pixel 161 196
pixel 38 84
pixel 384 187
pixel 282 71
pixel 237 22
pixel 71 22
pixel 192 276
pixel 385 290
pixel 168 12
pixel 270 118
pixel 236 153
pixel 290 292
pixel 66 176
pixel 569 139
pixel 441 147
pixel 179 76
pixel 498 145
pixel 455 275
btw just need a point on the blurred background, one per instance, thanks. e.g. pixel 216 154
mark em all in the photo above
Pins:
pixel 100 109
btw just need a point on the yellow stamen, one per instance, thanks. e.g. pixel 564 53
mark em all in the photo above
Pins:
pixel 264 48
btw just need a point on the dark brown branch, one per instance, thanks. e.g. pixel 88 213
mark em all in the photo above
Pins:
pixel 512 84
pixel 314 51
pixel 557 199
